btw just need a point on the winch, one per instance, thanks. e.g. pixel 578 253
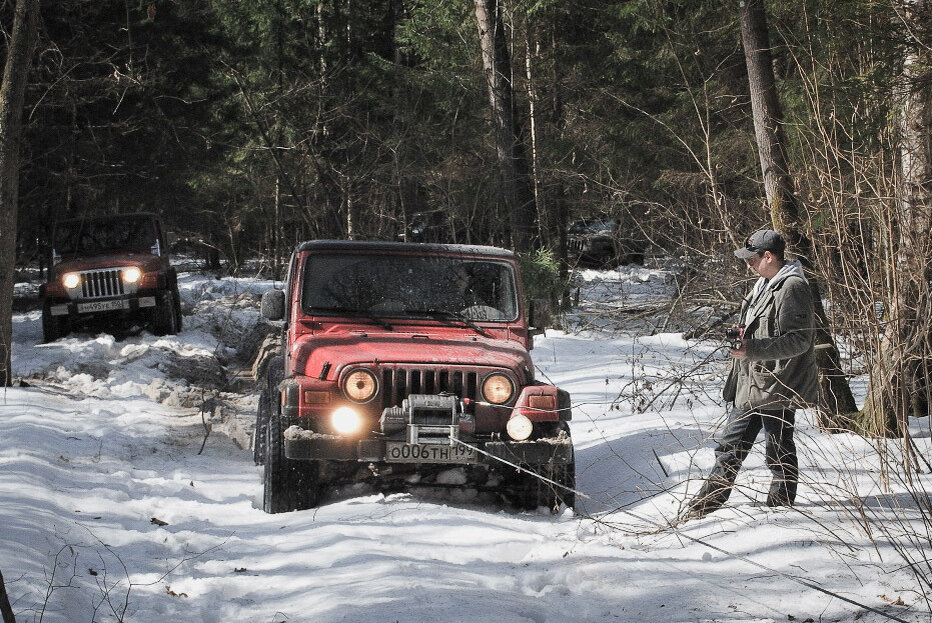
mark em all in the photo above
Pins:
pixel 428 418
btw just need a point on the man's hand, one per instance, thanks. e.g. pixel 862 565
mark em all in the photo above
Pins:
pixel 740 353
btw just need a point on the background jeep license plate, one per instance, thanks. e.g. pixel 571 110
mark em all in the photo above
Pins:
pixel 98 306
pixel 396 452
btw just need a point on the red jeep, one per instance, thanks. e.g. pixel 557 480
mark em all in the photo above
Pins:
pixel 112 270
pixel 408 363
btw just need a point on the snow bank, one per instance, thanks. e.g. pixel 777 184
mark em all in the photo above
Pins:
pixel 111 511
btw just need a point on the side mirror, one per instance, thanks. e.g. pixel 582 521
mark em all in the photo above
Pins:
pixel 539 316
pixel 273 305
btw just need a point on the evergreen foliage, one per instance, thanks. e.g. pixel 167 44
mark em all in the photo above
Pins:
pixel 253 125
pixel 540 275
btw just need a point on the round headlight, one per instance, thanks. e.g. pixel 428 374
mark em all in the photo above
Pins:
pixel 345 421
pixel 360 386
pixel 131 274
pixel 519 427
pixel 497 389
pixel 71 280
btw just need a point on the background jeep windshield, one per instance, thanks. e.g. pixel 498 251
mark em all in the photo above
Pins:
pixel 100 236
pixel 410 286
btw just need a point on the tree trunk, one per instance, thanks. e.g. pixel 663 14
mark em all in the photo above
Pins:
pixel 531 50
pixel 5 608
pixel 836 398
pixel 517 195
pixel 12 92
pixel 899 381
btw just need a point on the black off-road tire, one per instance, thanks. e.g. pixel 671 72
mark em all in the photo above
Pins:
pixel 534 492
pixel 165 316
pixel 263 412
pixel 179 317
pixel 566 476
pixel 53 327
pixel 268 397
pixel 288 485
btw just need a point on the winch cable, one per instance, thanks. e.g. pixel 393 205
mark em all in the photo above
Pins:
pixel 521 469
pixel 699 541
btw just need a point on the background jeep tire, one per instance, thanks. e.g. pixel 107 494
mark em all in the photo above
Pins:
pixel 179 318
pixel 165 316
pixel 53 327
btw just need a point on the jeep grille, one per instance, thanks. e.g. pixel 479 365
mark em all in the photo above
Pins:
pixel 399 382
pixel 101 283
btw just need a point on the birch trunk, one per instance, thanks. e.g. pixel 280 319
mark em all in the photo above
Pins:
pixel 517 196
pixel 899 386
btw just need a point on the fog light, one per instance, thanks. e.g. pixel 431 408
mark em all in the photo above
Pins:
pixel 519 427
pixel 71 280
pixel 132 274
pixel 345 421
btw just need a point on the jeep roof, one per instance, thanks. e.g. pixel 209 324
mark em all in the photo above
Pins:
pixel 413 247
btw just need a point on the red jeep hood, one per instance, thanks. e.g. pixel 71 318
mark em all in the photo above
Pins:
pixel 407 348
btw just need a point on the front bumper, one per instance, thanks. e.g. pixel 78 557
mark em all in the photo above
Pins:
pixel 90 307
pixel 305 445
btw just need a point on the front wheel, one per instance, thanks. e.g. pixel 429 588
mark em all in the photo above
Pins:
pixel 179 317
pixel 536 492
pixel 260 434
pixel 53 327
pixel 552 484
pixel 165 317
pixel 288 485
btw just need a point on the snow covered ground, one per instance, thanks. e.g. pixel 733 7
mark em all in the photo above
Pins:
pixel 114 507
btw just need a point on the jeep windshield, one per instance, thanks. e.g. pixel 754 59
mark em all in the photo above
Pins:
pixel 90 237
pixel 409 286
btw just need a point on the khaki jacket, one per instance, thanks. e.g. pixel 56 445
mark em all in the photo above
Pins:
pixel 780 370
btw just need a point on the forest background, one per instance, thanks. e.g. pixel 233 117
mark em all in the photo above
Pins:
pixel 250 126
pixel 254 125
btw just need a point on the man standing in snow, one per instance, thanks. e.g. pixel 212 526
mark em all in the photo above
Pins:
pixel 773 373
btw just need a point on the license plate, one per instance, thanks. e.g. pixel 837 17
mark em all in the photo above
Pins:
pixel 396 452
pixel 99 306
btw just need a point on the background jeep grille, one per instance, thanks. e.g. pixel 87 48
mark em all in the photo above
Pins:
pixel 101 283
pixel 399 382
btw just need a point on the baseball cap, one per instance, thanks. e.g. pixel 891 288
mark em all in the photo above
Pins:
pixel 760 241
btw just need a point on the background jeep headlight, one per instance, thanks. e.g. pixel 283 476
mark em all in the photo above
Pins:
pixel 71 280
pixel 131 274
pixel 497 389
pixel 360 386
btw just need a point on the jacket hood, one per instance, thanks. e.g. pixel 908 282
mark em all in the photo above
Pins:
pixel 789 269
